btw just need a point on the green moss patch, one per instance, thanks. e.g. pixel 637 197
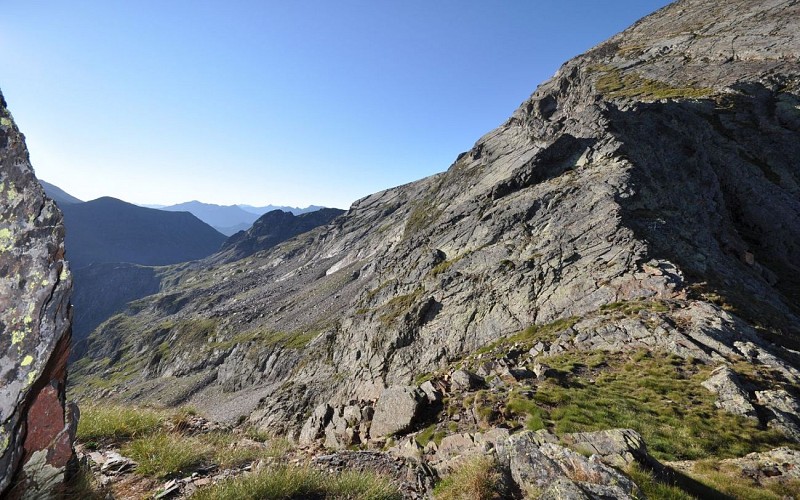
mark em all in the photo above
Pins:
pixel 613 83
pixel 657 394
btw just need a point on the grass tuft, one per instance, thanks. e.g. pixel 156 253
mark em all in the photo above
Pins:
pixel 166 454
pixel 298 482
pixel 653 488
pixel 476 479
pixel 114 423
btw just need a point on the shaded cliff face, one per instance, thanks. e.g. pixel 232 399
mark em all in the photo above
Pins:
pixel 659 166
pixel 35 287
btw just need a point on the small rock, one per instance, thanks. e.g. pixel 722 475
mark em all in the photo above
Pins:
pixel 542 371
pixel 463 380
pixel 431 392
pixel 202 481
pixel 731 397
pixel 617 447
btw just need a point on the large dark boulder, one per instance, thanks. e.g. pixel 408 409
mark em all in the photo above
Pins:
pixel 35 286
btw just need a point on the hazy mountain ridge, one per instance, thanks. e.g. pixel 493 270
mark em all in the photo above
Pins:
pixel 109 230
pixel 230 219
pixel 58 195
pixel 645 199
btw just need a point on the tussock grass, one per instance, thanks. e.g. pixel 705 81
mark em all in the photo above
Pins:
pixel 84 486
pixel 657 394
pixel 114 422
pixel 166 454
pixel 476 479
pixel 286 482
pixel 652 488
pixel 729 480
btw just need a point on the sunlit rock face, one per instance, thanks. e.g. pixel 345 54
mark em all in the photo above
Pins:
pixel 658 168
pixel 35 286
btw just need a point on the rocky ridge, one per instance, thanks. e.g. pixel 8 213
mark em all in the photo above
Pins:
pixel 646 199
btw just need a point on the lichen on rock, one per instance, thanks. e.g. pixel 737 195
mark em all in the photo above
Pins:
pixel 36 431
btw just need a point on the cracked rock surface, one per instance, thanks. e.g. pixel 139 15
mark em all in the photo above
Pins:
pixel 37 428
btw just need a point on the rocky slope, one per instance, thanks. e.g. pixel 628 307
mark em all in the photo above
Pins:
pixel 646 199
pixel 35 285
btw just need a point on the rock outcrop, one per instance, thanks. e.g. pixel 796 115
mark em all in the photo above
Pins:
pixel 38 427
pixel 271 229
pixel 644 200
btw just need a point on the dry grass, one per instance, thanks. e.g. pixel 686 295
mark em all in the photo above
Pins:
pixel 115 423
pixel 476 479
pixel 285 482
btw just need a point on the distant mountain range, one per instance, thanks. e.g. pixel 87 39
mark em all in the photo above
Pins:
pixel 109 230
pixel 113 246
pixel 227 219
pixel 230 219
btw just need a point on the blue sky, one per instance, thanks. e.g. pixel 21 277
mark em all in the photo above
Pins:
pixel 291 102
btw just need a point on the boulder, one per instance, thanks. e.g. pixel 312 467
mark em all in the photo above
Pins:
pixel 617 447
pixel 433 394
pixel 406 448
pixel 352 415
pixel 731 397
pixel 784 409
pixel 336 436
pixel 542 371
pixel 37 427
pixel 539 466
pixel 463 380
pixel 396 410
pixel 315 425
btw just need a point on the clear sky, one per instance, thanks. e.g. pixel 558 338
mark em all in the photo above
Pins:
pixel 291 102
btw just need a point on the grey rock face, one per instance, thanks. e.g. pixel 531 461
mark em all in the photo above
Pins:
pixel 542 467
pixel 785 410
pixel 36 428
pixel 732 397
pixel 396 410
pixel 659 166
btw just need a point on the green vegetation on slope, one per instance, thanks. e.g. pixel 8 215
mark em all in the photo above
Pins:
pixel 478 478
pixel 613 83
pixel 657 394
pixel 159 442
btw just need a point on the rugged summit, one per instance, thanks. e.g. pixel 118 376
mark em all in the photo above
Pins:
pixel 270 229
pixel 646 199
pixel 35 285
